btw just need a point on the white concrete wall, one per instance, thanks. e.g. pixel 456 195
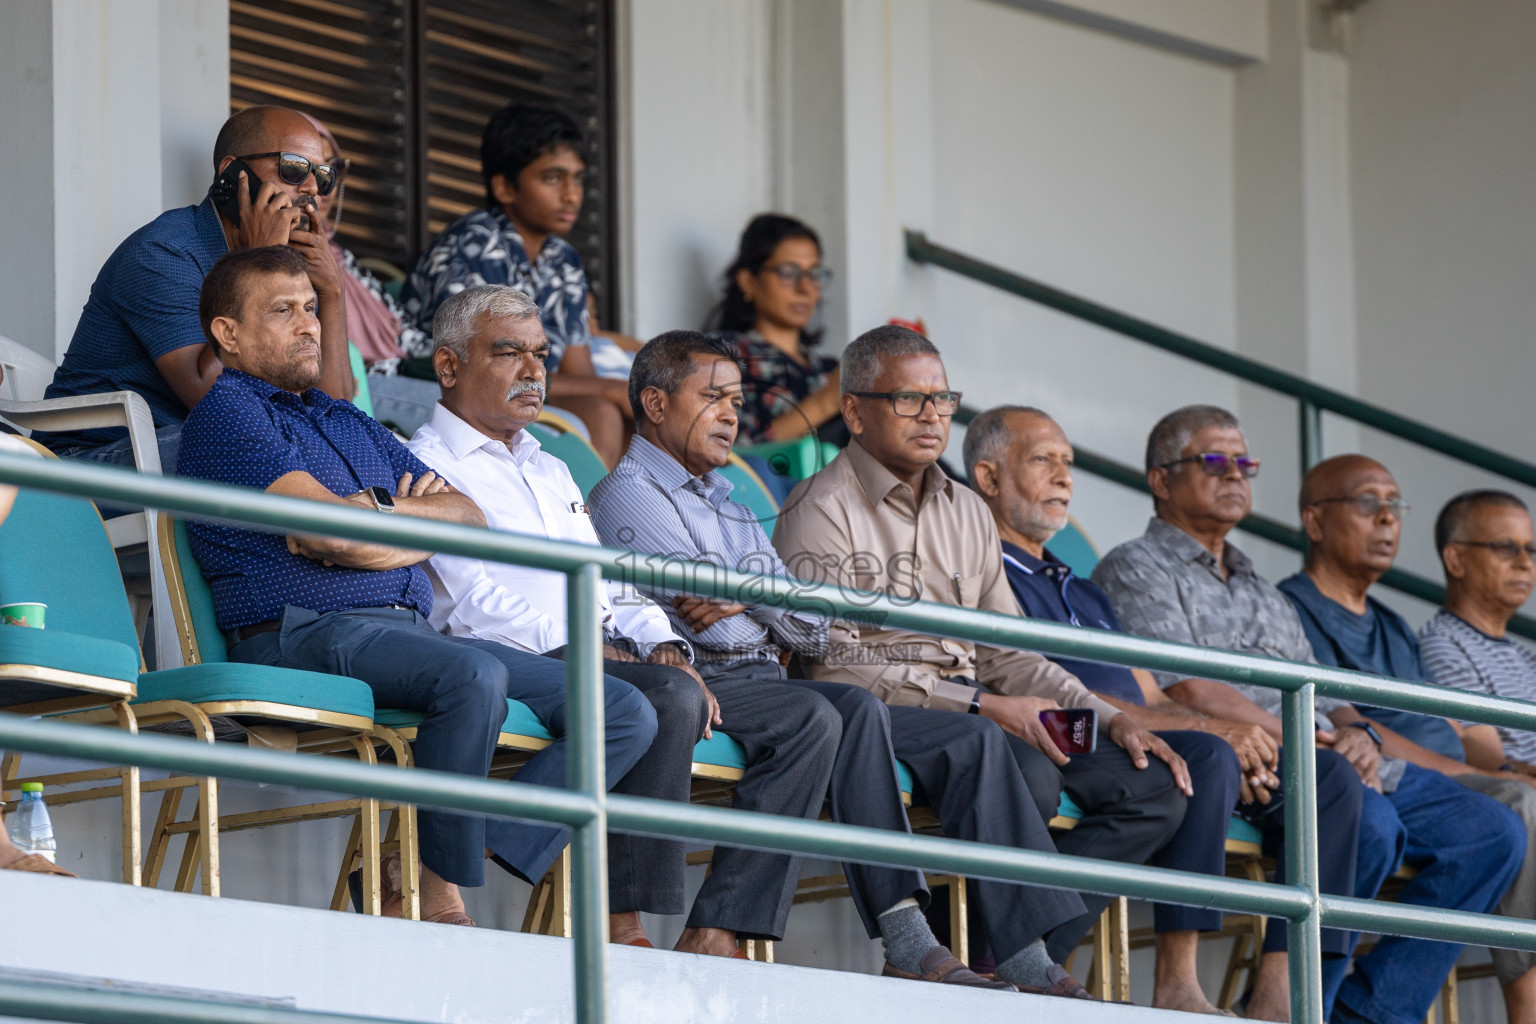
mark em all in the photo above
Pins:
pixel 109 112
pixel 1443 155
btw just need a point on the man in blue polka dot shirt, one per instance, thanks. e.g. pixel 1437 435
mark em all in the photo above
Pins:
pixel 356 608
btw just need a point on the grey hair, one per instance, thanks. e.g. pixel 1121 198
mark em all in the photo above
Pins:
pixel 987 436
pixel 1172 434
pixel 861 359
pixel 457 319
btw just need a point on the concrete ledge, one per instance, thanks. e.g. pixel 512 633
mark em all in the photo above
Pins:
pixel 345 963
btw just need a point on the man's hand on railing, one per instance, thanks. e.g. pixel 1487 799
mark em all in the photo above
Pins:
pixel 1139 743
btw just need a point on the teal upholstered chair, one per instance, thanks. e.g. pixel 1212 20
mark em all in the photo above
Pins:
pixel 215 698
pixel 557 436
pixel 54 550
pixel 364 398
pixel 748 489
pixel 1073 547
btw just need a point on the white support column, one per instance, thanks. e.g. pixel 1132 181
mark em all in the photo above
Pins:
pixel 98 97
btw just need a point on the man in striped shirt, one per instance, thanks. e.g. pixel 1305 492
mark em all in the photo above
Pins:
pixel 1486 545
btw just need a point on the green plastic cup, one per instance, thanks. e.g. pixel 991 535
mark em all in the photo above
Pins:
pixel 23 613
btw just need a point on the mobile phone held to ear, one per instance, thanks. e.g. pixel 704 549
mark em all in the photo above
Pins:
pixel 1074 730
pixel 225 189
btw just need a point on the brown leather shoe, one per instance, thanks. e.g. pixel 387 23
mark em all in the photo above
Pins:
pixel 943 967
pixel 1062 984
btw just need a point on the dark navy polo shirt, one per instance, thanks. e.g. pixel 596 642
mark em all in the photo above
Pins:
pixel 248 433
pixel 1047 589
pixel 143 305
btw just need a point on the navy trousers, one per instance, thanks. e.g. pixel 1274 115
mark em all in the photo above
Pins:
pixel 1128 814
pixel 462 686
pixel 1200 844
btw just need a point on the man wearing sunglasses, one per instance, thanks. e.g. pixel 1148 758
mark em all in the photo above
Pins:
pixel 1183 581
pixel 1353 511
pixel 139 330
pixel 884 517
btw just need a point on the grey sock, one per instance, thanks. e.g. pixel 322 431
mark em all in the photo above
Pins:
pixel 1029 966
pixel 907 937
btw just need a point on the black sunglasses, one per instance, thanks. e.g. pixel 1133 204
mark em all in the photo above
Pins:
pixel 293 169
pixel 1218 464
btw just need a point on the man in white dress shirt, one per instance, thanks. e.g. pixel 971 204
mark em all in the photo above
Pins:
pixel 490 365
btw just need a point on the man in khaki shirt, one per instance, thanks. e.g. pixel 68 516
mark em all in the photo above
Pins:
pixel 884 517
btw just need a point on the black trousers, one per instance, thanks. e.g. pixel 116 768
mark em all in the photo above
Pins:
pixel 964 771
pixel 1129 813
pixel 791 740
pixel 462 686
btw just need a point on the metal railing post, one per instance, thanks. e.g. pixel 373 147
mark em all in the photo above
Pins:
pixel 1303 934
pixel 1310 423
pixel 589 844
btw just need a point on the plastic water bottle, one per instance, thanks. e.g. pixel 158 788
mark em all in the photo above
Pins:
pixel 30 827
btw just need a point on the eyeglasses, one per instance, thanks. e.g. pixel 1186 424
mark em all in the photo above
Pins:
pixel 1217 464
pixel 792 274
pixel 1508 550
pixel 1370 505
pixel 910 403
pixel 293 168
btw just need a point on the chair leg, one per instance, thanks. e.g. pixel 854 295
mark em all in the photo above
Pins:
pixel 405 825
pixel 341 896
pixel 154 860
pixel 1100 981
pixel 959 919
pixel 191 854
pixel 1119 962
pixel 368 818
pixel 133 864
pixel 1450 1010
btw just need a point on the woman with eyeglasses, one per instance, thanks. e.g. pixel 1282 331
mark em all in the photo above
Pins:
pixel 772 292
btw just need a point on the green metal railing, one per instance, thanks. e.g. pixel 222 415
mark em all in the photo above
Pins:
pixel 1272 530
pixel 591 812
pixel 1313 399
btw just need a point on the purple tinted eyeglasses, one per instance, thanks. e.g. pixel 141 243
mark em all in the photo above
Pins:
pixel 1217 464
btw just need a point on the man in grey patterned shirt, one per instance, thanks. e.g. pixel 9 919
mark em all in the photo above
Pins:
pixel 1183 581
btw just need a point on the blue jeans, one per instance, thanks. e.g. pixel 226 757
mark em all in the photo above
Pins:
pixel 1467 848
pixel 120 452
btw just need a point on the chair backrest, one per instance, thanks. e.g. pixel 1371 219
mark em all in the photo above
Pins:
pixel 1072 546
pixel 197 627
pixel 364 397
pixel 54 549
pixel 748 489
pixel 26 373
pixel 586 467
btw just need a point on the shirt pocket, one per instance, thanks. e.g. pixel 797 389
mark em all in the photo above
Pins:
pixel 965 589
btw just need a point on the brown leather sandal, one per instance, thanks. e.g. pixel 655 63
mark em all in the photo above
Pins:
pixel 944 968
pixel 1062 984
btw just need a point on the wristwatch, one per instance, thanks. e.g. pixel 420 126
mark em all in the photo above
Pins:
pixel 1370 730
pixel 976 702
pixel 382 499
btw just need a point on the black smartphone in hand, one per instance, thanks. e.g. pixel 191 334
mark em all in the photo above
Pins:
pixel 225 190
pixel 1074 730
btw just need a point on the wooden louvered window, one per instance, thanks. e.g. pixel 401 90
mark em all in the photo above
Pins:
pixel 406 86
